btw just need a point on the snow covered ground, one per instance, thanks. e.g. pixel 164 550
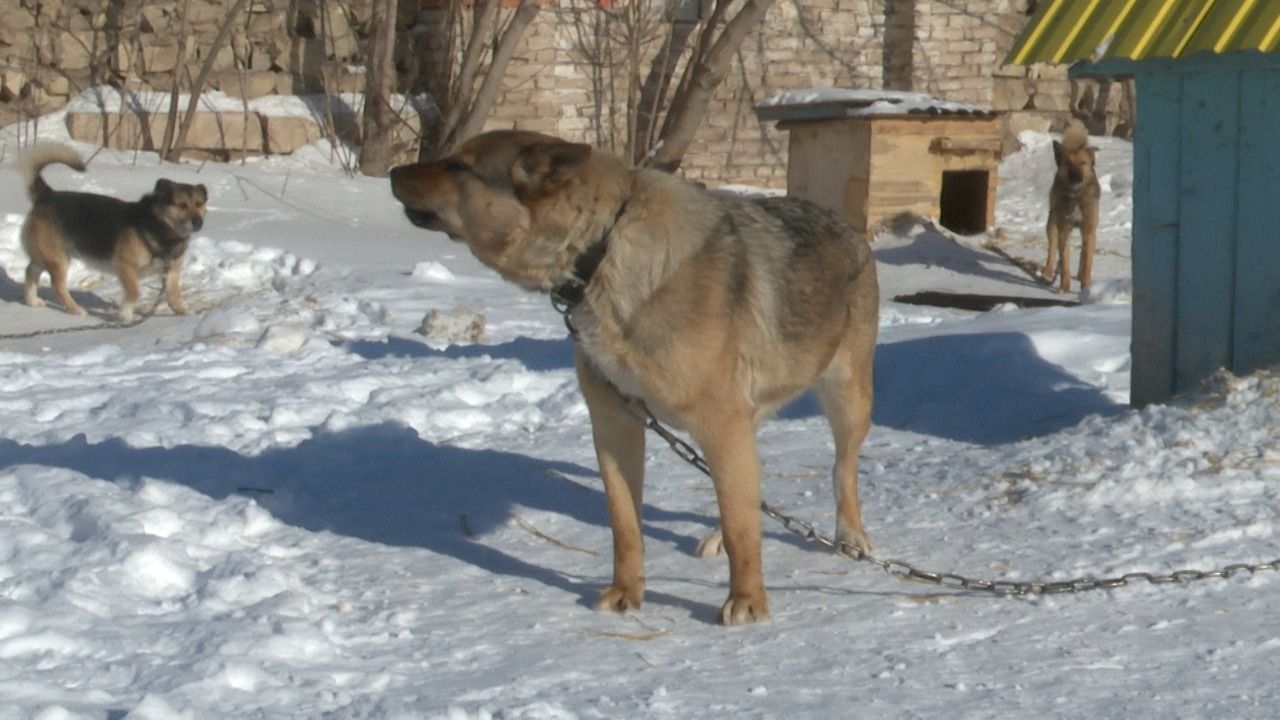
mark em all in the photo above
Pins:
pixel 294 504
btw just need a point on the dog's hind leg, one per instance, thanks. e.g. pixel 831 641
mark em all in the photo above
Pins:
pixel 58 274
pixel 712 544
pixel 128 281
pixel 619 443
pixel 1064 257
pixel 31 284
pixel 845 390
pixel 1088 243
pixel 1051 262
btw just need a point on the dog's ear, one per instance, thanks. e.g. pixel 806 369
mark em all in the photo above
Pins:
pixel 202 192
pixel 163 189
pixel 542 168
pixel 1057 153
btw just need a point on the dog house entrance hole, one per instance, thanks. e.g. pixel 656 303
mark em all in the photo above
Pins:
pixel 963 205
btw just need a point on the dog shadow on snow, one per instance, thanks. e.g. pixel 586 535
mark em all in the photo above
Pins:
pixel 536 354
pixel 11 290
pixel 985 388
pixel 384 484
pixel 982 388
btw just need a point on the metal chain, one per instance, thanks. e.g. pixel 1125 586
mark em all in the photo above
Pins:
pixel 109 325
pixel 636 408
pixel 907 571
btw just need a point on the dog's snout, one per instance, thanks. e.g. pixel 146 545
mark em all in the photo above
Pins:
pixel 1075 175
pixel 401 177
pixel 422 218
pixel 402 174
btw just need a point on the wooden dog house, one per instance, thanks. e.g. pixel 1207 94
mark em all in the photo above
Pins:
pixel 872 154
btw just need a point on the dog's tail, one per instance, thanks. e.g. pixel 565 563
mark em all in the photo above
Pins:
pixel 35 159
pixel 1074 136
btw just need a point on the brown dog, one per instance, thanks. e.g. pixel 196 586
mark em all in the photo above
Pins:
pixel 1073 203
pixel 125 238
pixel 714 311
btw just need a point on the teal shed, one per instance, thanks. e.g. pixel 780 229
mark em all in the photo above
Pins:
pixel 1206 147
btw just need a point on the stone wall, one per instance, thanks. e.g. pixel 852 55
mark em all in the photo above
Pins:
pixel 51 50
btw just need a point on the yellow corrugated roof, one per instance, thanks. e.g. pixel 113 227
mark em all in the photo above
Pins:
pixel 1065 31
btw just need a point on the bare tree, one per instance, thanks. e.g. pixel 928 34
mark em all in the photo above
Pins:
pixel 706 69
pixel 197 87
pixel 493 34
pixel 702 35
pixel 171 119
pixel 377 148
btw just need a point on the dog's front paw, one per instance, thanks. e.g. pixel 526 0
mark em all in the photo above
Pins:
pixel 178 309
pixel 711 545
pixel 619 599
pixel 76 310
pixel 743 609
pixel 853 541
pixel 33 301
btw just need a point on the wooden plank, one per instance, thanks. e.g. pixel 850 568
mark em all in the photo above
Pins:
pixel 1207 213
pixel 1257 300
pixel 822 160
pixel 979 302
pixel 931 125
pixel 1156 162
pixel 952 145
pixel 856 201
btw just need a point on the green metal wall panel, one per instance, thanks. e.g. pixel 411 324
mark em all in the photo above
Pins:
pixel 1156 166
pixel 1207 225
pixel 1257 302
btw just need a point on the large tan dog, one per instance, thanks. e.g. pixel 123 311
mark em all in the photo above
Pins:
pixel 128 239
pixel 1073 203
pixel 713 310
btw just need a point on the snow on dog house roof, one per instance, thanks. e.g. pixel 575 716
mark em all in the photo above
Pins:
pixel 831 103
pixel 873 154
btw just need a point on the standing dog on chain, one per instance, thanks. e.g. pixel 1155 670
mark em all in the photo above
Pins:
pixel 1073 203
pixel 713 311
pixel 125 238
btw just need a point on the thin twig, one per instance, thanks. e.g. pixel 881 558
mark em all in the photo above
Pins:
pixel 529 528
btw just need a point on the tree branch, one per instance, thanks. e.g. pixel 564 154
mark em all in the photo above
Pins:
pixel 702 76
pixel 460 94
pixel 490 88
pixel 198 87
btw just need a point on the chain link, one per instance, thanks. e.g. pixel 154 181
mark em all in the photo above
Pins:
pixel 902 569
pixel 107 325
pixel 908 571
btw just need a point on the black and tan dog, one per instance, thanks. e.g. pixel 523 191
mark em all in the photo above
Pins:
pixel 1073 203
pixel 128 239
pixel 713 310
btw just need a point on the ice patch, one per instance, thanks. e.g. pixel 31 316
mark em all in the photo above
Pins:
pixel 283 339
pixel 433 272
pixel 152 573
pixel 223 322
pixel 14 621
pixel 1110 292
pixel 153 707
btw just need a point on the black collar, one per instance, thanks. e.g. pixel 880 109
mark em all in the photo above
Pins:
pixel 570 293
